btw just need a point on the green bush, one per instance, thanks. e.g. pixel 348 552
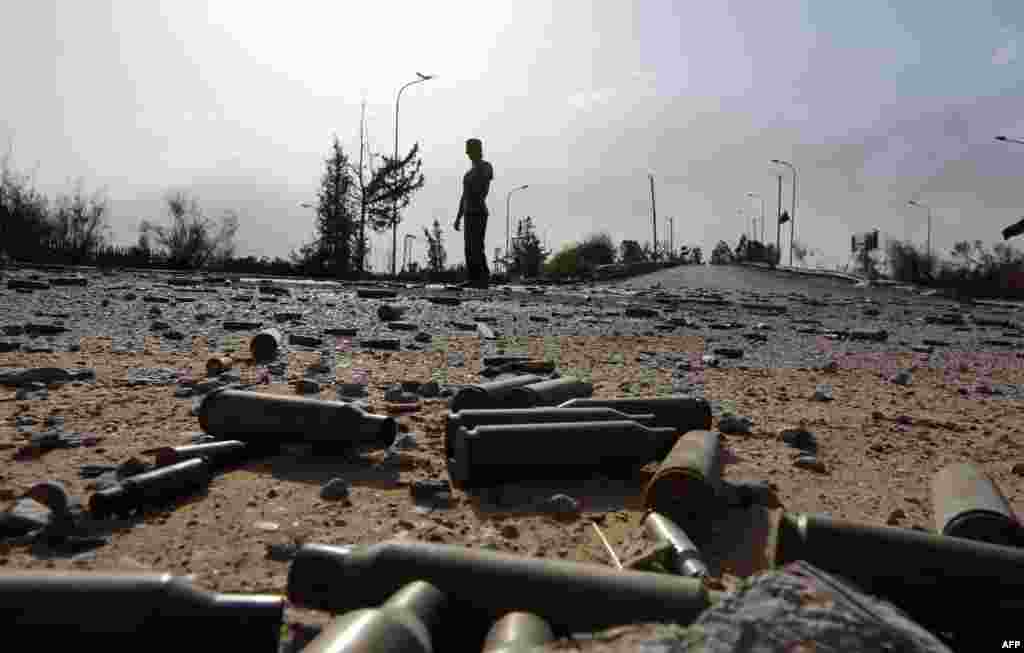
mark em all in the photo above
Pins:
pixel 566 263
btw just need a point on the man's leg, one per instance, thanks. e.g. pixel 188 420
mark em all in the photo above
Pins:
pixel 467 239
pixel 484 275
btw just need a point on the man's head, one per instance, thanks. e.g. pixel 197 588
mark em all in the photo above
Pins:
pixel 474 149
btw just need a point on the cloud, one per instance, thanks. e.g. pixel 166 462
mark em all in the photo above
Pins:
pixel 1006 54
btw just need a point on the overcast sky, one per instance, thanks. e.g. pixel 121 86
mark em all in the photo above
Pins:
pixel 874 102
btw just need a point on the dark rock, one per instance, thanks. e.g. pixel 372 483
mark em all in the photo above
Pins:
pixel 159 326
pixel 392 344
pixel 32 391
pixel 462 326
pixel 390 312
pixel 287 317
pixel 800 438
pixel 735 424
pixel 334 489
pixel 26 284
pixel 174 335
pixel 903 377
pixel 641 312
pixel 427 490
pixel 445 301
pixel 9 346
pixel 873 335
pixel 304 340
pixel 282 551
pixel 950 319
pixel 729 352
pixel 402 326
pixel 341 332
pixel 156 299
pixel 811 463
pixel 13 330
pixel 232 325
pixel 935 343
pixel 270 289
pixel 375 293
pixel 822 393
pixel 45 329
pixel 539 318
pixel 423 336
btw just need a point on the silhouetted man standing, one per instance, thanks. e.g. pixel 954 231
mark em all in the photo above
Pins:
pixel 473 207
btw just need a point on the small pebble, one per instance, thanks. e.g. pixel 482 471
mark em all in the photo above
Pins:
pixel 336 488
pixel 895 516
pixel 903 377
pixel 823 393
pixel 561 505
pixel 800 439
pixel 735 424
pixel 811 463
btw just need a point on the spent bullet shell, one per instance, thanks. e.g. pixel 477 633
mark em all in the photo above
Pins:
pixel 117 611
pixel 968 503
pixel 913 570
pixel 404 623
pixel 688 482
pixel 548 393
pixel 255 417
pixel 151 488
pixel 491 455
pixel 518 632
pixel 489 395
pixel 472 418
pixel 682 413
pixel 686 558
pixel 573 596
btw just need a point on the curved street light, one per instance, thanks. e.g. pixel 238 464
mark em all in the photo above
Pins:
pixel 792 209
pixel 928 247
pixel 508 224
pixel 1009 140
pixel 394 207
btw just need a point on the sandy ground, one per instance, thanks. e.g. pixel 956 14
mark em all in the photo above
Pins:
pixel 879 471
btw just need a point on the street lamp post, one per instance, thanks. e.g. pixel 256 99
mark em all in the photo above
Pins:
pixel 394 206
pixel 671 236
pixel 508 223
pixel 758 196
pixel 405 250
pixel 928 246
pixel 792 210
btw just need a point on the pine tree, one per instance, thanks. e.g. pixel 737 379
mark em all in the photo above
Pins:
pixel 335 232
pixel 527 252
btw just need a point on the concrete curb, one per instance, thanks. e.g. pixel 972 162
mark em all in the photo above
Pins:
pixel 810 272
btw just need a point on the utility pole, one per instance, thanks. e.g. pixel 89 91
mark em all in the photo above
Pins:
pixel 654 220
pixel 671 236
pixel 778 224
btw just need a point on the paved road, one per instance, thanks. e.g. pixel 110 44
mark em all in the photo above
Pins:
pixel 737 279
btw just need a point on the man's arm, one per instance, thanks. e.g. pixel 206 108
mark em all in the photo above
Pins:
pixel 458 217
